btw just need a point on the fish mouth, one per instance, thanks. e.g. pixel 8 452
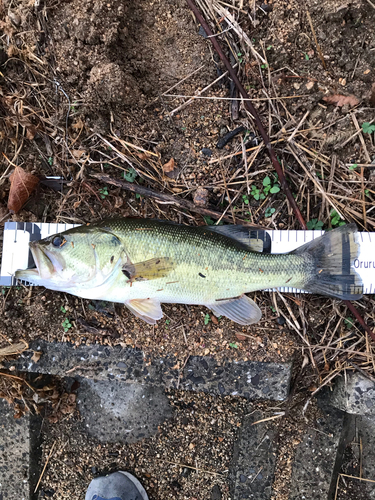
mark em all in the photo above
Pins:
pixel 44 266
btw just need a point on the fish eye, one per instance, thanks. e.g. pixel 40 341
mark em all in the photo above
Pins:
pixel 58 241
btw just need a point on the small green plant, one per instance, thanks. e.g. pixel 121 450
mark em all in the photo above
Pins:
pixel 207 319
pixel 349 322
pixel 268 187
pixel 368 128
pixel 130 175
pixel 233 345
pixel 264 66
pixel 336 219
pixel 269 47
pixel 245 199
pixel 66 324
pixel 354 166
pixel 367 193
pixel 307 58
pixel 137 196
pixel 272 309
pixel 240 57
pixel 62 309
pixel 315 224
pixel 50 161
pixel 103 193
pixel 269 211
pixel 210 222
pixel 256 194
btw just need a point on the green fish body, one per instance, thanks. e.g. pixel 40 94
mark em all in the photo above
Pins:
pixel 143 263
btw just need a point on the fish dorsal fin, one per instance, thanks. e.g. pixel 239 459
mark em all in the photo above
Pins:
pixel 242 310
pixel 149 269
pixel 257 240
pixel 147 309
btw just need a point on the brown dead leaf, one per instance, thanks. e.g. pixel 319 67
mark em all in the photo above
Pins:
pixel 22 184
pixel 341 100
pixel 240 337
pixel 170 169
pixel 77 153
pixel 36 356
pixel 214 319
pixel 143 156
pixel 79 124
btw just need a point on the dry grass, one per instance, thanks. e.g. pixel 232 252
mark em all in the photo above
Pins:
pixel 44 131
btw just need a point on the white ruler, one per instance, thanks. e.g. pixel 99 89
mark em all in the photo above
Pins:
pixel 17 235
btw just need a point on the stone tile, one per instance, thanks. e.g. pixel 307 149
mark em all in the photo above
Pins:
pixel 252 380
pixel 113 411
pixel 355 394
pixel 253 466
pixel 19 454
pixel 319 456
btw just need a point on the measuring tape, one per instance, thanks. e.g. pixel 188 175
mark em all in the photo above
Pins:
pixel 17 235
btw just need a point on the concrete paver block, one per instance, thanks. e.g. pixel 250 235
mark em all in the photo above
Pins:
pixel 366 431
pixel 319 456
pixel 355 394
pixel 252 380
pixel 113 411
pixel 19 454
pixel 254 458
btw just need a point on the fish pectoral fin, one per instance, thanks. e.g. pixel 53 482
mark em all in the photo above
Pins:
pixel 242 310
pixel 149 269
pixel 147 309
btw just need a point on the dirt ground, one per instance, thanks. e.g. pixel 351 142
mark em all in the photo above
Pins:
pixel 87 87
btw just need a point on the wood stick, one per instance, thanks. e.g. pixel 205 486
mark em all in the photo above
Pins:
pixel 251 109
pixel 163 198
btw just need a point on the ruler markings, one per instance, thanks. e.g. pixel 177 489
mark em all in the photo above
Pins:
pixel 16 249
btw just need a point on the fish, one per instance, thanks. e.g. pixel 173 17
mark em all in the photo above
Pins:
pixel 143 263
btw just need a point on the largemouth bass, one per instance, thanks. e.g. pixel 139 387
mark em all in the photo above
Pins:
pixel 143 263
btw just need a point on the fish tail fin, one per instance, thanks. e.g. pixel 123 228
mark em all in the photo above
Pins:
pixel 331 258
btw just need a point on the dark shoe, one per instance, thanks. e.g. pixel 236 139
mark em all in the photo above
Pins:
pixel 116 486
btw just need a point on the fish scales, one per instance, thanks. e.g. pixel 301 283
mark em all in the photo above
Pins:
pixel 207 264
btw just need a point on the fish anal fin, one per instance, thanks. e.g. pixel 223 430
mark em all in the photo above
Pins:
pixel 255 239
pixel 147 309
pixel 242 310
pixel 151 269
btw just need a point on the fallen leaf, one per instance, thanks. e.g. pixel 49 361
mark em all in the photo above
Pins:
pixel 36 356
pixel 22 184
pixel 143 156
pixel 77 153
pixel 341 100
pixel 170 169
pixel 214 319
pixel 79 124
pixel 240 337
